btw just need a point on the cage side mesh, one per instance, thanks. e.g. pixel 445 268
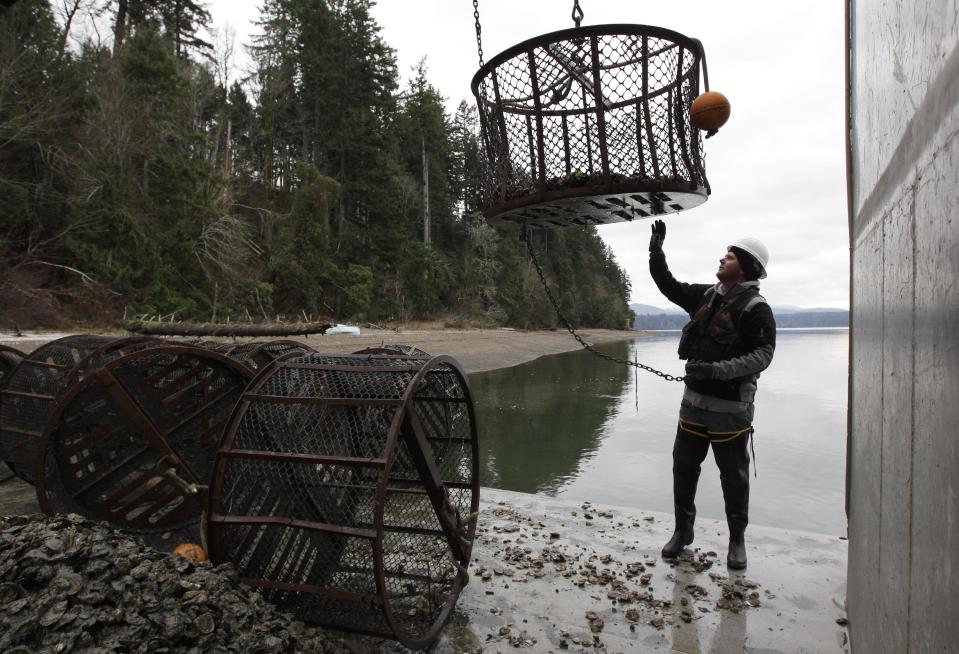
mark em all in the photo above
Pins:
pixel 395 349
pixel 9 358
pixel 29 394
pixel 120 432
pixel 256 354
pixel 318 466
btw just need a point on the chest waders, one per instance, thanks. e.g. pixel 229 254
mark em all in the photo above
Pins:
pixel 713 335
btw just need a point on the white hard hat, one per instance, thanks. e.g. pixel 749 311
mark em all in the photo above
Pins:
pixel 756 248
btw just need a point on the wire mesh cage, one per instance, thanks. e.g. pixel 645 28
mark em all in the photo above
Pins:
pixel 398 349
pixel 257 355
pixel 133 441
pixel 346 489
pixel 29 395
pixel 591 125
pixel 9 358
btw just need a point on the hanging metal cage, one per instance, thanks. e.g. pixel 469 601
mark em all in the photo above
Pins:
pixel 591 125
pixel 346 489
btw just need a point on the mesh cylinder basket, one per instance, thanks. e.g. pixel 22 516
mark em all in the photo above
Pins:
pixel 9 358
pixel 396 348
pixel 256 355
pixel 132 442
pixel 30 391
pixel 346 489
pixel 591 125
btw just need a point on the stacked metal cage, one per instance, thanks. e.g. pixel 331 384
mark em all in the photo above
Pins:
pixel 344 486
pixel 256 355
pixel 132 441
pixel 591 125
pixel 9 358
pixel 30 391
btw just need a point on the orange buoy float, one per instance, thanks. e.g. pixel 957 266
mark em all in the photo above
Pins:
pixel 709 111
pixel 191 551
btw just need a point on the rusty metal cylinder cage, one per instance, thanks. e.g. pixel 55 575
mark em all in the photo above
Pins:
pixel 31 390
pixel 9 358
pixel 132 442
pixel 397 349
pixel 256 355
pixel 346 489
pixel 591 125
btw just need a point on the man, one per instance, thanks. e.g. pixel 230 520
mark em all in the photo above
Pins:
pixel 729 340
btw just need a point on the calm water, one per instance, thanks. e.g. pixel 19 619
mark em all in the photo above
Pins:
pixel 577 426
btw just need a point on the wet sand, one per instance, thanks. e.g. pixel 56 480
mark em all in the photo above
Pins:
pixel 477 349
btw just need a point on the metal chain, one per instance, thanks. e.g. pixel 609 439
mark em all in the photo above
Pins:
pixel 527 236
pixel 577 12
pixel 479 32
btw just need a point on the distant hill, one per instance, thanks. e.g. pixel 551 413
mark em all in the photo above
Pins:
pixel 650 317
pixel 650 310
pixel 782 309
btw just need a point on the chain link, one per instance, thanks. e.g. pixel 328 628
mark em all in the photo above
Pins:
pixel 527 236
pixel 479 32
pixel 577 13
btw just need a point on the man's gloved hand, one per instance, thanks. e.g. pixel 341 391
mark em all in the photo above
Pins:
pixel 699 369
pixel 658 236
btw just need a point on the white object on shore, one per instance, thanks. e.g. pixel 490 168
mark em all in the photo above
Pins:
pixel 344 329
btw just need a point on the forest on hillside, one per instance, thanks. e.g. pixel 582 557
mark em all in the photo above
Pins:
pixel 138 178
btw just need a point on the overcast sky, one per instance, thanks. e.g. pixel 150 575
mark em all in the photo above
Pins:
pixel 777 169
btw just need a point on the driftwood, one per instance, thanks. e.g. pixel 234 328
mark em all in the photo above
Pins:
pixel 156 328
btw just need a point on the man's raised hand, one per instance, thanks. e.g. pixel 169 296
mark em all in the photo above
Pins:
pixel 658 236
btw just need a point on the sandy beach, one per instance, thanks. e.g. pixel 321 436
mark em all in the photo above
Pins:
pixel 475 349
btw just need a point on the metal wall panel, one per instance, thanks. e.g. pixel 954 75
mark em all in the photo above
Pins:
pixel 899 49
pixel 935 516
pixel 896 454
pixel 866 423
pixel 903 490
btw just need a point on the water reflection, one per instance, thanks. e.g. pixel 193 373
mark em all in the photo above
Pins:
pixel 542 421
pixel 574 425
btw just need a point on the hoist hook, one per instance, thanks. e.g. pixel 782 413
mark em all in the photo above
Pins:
pixel 577 13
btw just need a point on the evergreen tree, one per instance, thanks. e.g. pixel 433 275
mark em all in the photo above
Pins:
pixel 133 177
pixel 181 19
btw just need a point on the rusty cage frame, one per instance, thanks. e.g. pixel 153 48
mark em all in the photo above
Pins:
pixel 590 125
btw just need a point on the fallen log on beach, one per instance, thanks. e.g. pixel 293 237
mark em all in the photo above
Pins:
pixel 156 328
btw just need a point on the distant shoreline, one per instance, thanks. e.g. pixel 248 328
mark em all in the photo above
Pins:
pixel 809 319
pixel 778 329
pixel 477 350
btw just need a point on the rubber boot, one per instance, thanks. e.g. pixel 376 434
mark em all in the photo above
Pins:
pixel 688 454
pixel 736 556
pixel 733 461
pixel 682 536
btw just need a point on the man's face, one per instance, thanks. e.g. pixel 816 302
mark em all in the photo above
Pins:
pixel 729 270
